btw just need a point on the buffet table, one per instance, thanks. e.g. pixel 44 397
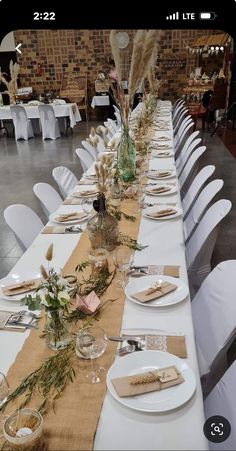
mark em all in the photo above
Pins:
pixel 66 110
pixel 120 427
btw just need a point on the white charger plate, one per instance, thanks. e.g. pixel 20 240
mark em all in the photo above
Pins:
pixel 13 278
pixel 157 208
pixel 157 401
pixel 142 283
pixel 53 217
pixel 172 190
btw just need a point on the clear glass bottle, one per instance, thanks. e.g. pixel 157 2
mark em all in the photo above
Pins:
pixel 126 157
pixel 103 227
pixel 56 331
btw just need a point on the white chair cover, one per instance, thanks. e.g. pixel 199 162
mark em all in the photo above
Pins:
pixel 182 141
pixel 187 143
pixel 176 104
pixel 202 242
pixel 49 198
pixel 199 207
pixel 214 313
pixel 24 222
pixel 49 123
pixel 101 147
pixel 65 180
pixel 221 401
pixel 180 108
pixel 23 126
pixel 118 119
pixel 91 149
pixel 111 131
pixel 186 155
pixel 85 157
pixel 190 167
pixel 112 123
pixel 196 187
pixel 179 120
pixel 184 121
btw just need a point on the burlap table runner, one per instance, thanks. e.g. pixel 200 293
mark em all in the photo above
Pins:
pixel 74 424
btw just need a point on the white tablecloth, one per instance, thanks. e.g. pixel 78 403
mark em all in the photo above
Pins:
pixel 119 427
pixel 100 101
pixel 68 109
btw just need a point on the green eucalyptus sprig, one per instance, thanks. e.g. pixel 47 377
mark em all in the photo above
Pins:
pixel 126 240
pixel 49 380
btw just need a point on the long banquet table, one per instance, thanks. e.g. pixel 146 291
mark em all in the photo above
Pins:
pixel 120 427
pixel 66 110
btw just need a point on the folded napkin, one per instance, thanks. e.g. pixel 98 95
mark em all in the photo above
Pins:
pixel 155 291
pixel 70 216
pixel 86 182
pixel 160 173
pixel 85 193
pixel 162 213
pixel 147 382
pixel 53 229
pixel 87 304
pixel 164 270
pixel 72 202
pixel 163 138
pixel 159 189
pixel 174 344
pixel 21 287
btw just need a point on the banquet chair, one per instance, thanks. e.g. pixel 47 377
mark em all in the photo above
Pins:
pixel 110 128
pixel 180 108
pixel 214 311
pixel 49 198
pixel 187 154
pixel 85 157
pixel 91 149
pixel 49 122
pixel 103 132
pixel 195 188
pixel 180 118
pixel 190 169
pixel 200 246
pixel 221 402
pixel 101 146
pixel 177 103
pixel 118 119
pixel 22 125
pixel 180 142
pixel 24 223
pixel 181 124
pixel 199 207
pixel 113 124
pixel 65 180
pixel 183 149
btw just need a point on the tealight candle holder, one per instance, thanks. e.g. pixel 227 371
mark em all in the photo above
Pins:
pixel 23 431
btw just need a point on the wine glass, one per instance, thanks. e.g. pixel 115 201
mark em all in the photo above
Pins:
pixel 87 206
pixel 4 390
pixel 122 259
pixel 141 197
pixel 91 343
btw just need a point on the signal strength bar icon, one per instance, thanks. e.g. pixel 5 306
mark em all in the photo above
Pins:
pixel 174 16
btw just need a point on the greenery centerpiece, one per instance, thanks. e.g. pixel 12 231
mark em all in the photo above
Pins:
pixel 52 294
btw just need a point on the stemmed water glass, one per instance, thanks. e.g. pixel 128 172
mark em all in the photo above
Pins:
pixel 4 390
pixel 91 343
pixel 122 259
pixel 87 206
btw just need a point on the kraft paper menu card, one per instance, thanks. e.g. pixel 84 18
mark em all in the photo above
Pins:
pixel 156 291
pixel 147 382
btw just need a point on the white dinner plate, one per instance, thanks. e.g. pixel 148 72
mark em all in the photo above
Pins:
pixel 156 401
pixel 142 283
pixel 172 190
pixel 157 208
pixel 13 278
pixel 84 196
pixel 53 217
pixel 154 174
pixel 162 153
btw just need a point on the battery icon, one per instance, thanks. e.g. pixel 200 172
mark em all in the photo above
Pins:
pixel 207 16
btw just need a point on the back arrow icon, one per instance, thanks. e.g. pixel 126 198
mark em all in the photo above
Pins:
pixel 18 48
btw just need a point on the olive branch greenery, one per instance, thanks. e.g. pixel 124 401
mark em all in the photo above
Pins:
pixel 126 240
pixel 117 213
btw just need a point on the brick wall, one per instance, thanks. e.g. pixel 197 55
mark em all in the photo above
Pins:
pixel 87 51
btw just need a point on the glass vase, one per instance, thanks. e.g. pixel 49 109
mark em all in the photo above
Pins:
pixel 56 331
pixel 103 227
pixel 126 157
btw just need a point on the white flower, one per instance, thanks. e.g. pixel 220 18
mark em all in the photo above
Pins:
pixel 63 297
pixel 42 294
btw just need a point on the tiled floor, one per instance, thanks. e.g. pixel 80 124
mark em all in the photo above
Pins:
pixel 24 163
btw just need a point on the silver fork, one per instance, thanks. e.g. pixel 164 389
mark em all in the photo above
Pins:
pixel 28 313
